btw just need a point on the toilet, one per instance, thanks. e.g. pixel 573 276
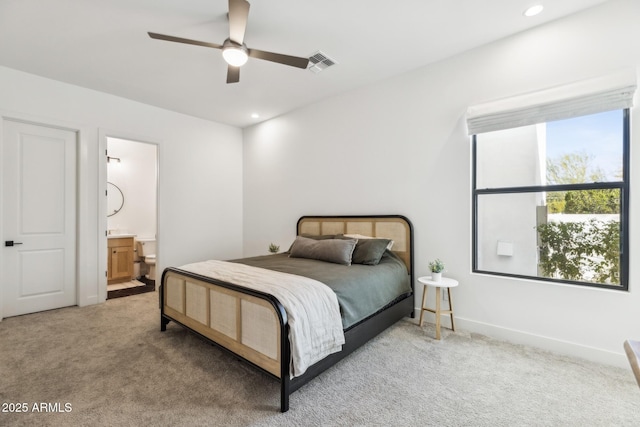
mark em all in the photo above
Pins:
pixel 147 253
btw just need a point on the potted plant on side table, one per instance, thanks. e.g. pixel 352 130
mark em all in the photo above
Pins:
pixel 436 267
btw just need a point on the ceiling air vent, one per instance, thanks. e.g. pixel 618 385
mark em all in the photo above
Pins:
pixel 319 62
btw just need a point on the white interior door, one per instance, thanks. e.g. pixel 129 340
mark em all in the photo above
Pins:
pixel 38 218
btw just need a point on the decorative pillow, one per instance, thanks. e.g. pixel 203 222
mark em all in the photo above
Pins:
pixel 314 237
pixel 369 251
pixel 361 237
pixel 330 250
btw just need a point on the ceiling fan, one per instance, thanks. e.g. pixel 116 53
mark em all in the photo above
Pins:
pixel 234 51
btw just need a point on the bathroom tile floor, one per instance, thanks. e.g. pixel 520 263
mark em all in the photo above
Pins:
pixel 133 287
pixel 125 285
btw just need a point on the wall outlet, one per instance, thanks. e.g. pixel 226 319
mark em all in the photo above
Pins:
pixel 445 295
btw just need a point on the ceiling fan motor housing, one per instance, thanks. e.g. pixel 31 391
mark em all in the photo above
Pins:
pixel 235 54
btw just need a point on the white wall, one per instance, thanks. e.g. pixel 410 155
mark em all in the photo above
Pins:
pixel 135 176
pixel 200 171
pixel 400 146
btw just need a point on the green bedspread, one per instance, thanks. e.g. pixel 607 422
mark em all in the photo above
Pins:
pixel 362 290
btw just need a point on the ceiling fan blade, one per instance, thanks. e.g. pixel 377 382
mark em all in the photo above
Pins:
pixel 233 74
pixel 238 15
pixel 185 41
pixel 293 61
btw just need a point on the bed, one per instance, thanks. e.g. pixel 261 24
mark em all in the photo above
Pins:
pixel 250 321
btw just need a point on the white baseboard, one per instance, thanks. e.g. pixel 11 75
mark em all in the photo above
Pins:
pixel 567 348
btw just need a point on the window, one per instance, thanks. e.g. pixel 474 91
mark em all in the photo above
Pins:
pixel 551 200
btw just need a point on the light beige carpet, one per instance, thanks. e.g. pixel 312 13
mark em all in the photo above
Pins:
pixel 112 366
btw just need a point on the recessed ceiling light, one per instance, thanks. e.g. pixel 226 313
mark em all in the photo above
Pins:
pixel 255 116
pixel 533 10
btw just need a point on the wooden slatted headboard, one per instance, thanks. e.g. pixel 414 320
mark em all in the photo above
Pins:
pixel 394 227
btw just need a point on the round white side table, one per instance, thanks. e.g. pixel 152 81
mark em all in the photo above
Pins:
pixel 447 283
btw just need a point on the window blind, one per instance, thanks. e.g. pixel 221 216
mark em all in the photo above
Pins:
pixel 611 92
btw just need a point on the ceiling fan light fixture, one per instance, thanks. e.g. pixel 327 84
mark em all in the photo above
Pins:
pixel 234 51
pixel 236 55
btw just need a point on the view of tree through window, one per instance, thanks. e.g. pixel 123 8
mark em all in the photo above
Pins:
pixel 550 200
pixel 576 168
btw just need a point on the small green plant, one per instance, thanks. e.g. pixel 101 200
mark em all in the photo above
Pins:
pixel 436 266
pixel 273 248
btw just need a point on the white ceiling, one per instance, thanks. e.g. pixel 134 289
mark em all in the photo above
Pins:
pixel 103 45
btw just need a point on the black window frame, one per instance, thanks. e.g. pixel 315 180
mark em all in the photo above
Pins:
pixel 623 186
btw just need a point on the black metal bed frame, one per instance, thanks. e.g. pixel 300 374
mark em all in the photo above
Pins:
pixel 355 336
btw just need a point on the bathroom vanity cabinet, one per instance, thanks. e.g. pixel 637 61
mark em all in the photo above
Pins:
pixel 120 251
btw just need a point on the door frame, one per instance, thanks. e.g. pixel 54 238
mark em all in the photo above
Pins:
pixel 103 134
pixel 83 269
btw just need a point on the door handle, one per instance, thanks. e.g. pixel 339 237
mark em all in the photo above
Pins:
pixel 11 243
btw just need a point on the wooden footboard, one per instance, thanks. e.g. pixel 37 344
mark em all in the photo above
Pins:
pixel 243 321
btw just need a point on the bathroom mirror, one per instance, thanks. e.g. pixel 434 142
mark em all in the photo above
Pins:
pixel 115 199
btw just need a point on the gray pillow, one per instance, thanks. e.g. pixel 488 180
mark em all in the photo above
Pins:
pixel 331 250
pixel 369 251
pixel 314 237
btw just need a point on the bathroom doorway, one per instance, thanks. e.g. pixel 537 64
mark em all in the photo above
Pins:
pixel 132 187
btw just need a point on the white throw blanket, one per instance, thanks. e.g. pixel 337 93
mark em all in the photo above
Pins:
pixel 315 326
